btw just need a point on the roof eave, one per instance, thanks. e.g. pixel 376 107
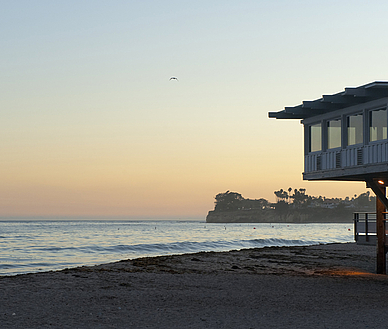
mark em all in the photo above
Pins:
pixel 329 103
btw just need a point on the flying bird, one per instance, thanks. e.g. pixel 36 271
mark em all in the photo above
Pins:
pixel 174 78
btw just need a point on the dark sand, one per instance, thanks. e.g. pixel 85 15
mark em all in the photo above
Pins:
pixel 325 286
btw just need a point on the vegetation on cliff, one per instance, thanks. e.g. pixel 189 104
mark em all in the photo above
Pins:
pixel 292 206
pixel 293 199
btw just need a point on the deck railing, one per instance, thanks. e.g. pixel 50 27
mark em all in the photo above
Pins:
pixel 365 228
pixel 351 156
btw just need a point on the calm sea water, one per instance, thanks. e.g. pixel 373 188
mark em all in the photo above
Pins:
pixel 33 246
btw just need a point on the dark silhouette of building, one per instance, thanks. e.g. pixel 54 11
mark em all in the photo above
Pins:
pixel 345 139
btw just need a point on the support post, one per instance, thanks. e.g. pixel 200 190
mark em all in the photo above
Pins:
pixel 381 205
pixel 380 230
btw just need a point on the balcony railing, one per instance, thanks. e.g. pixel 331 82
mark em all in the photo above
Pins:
pixel 352 156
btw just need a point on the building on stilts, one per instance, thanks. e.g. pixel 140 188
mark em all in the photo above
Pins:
pixel 345 139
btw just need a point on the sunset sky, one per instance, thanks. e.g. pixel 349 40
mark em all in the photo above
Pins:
pixel 91 125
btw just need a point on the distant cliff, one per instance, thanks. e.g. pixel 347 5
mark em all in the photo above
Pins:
pixel 315 215
pixel 292 206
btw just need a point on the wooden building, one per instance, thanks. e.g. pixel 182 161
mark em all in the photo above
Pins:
pixel 345 139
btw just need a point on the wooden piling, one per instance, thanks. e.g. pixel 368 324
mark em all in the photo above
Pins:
pixel 380 230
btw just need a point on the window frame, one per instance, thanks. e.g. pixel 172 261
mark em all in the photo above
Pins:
pixel 339 138
pixel 359 114
pixel 370 121
pixel 310 148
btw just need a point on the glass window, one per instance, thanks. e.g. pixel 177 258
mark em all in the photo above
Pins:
pixel 377 125
pixel 333 133
pixel 315 137
pixel 355 129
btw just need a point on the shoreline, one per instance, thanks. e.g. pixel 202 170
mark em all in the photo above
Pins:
pixel 307 260
pixel 165 256
pixel 316 286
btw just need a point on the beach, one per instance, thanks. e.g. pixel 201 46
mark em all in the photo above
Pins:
pixel 321 286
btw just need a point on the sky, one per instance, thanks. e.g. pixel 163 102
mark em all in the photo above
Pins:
pixel 92 126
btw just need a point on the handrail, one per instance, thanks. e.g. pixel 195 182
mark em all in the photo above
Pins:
pixel 356 215
pixel 365 227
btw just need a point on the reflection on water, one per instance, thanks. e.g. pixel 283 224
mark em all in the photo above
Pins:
pixel 31 246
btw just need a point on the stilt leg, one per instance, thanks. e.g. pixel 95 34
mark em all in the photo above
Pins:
pixel 381 259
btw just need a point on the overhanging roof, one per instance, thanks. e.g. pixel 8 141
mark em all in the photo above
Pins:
pixel 329 103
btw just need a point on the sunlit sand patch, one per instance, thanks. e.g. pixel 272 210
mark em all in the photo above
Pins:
pixel 346 273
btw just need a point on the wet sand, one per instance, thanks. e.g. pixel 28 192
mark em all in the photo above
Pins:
pixel 324 286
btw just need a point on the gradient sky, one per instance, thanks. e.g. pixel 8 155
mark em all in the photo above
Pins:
pixel 91 125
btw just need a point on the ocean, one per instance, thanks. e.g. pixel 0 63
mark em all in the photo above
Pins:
pixel 28 246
